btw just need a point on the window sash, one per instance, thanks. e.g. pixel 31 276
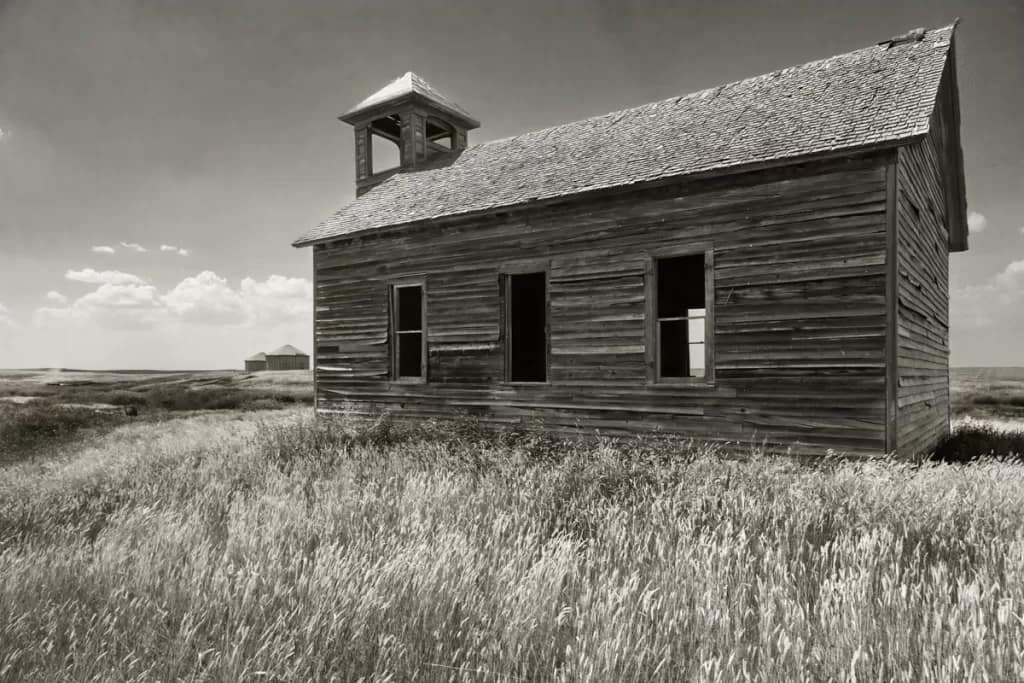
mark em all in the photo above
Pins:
pixel 700 365
pixel 695 371
pixel 399 337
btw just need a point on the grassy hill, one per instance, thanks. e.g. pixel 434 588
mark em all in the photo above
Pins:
pixel 43 410
pixel 90 386
pixel 988 392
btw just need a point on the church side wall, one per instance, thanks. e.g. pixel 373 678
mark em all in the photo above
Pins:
pixel 799 312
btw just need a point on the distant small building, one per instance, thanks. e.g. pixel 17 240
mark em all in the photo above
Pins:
pixel 287 358
pixel 256 363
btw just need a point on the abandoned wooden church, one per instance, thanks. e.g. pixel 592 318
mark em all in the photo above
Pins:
pixel 764 261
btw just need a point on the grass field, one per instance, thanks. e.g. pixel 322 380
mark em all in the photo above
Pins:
pixel 260 545
pixel 993 393
pixel 105 389
pixel 46 411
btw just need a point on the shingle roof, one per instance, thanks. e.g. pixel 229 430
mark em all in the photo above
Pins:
pixel 286 350
pixel 406 85
pixel 883 94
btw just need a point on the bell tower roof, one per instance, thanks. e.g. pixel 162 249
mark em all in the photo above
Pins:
pixel 408 88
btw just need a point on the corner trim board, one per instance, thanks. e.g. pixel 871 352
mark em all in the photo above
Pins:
pixel 892 307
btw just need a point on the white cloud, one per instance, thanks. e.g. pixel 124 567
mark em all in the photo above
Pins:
pixel 980 305
pixel 126 301
pixel 94 277
pixel 120 301
pixel 1010 281
pixel 278 298
pixel 976 222
pixel 103 249
pixel 113 305
pixel 134 247
pixel 206 298
pixel 203 321
pixel 56 297
pixel 177 250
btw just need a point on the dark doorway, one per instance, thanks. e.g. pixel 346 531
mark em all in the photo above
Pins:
pixel 527 313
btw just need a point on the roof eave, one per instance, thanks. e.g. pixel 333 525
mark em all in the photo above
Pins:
pixel 363 114
pixel 666 180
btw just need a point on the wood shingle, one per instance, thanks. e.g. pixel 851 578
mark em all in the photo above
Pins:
pixel 877 96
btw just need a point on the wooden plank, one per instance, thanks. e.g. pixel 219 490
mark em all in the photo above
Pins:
pixel 891 284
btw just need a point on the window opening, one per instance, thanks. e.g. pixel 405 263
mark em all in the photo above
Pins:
pixel 385 153
pixel 408 335
pixel 681 316
pixel 440 133
pixel 527 334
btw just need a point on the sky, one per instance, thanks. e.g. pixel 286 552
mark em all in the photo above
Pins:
pixel 158 158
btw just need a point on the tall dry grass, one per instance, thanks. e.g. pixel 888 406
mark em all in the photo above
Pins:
pixel 216 550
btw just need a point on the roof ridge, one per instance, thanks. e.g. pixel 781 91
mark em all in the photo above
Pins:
pixel 703 91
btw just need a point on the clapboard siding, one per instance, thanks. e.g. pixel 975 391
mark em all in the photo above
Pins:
pixel 922 397
pixel 799 317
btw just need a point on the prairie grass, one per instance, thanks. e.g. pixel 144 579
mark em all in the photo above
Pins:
pixel 987 392
pixel 177 391
pixel 249 547
pixel 971 439
pixel 27 430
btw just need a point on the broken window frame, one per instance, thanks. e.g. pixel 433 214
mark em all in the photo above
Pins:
pixel 394 333
pixel 507 271
pixel 371 133
pixel 653 327
pixel 432 140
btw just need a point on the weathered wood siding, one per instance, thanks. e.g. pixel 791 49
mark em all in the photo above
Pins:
pixel 923 293
pixel 799 324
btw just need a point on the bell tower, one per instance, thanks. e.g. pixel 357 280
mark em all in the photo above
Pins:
pixel 409 113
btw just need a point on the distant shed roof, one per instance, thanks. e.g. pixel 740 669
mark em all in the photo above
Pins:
pixel 878 95
pixel 286 350
pixel 257 356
